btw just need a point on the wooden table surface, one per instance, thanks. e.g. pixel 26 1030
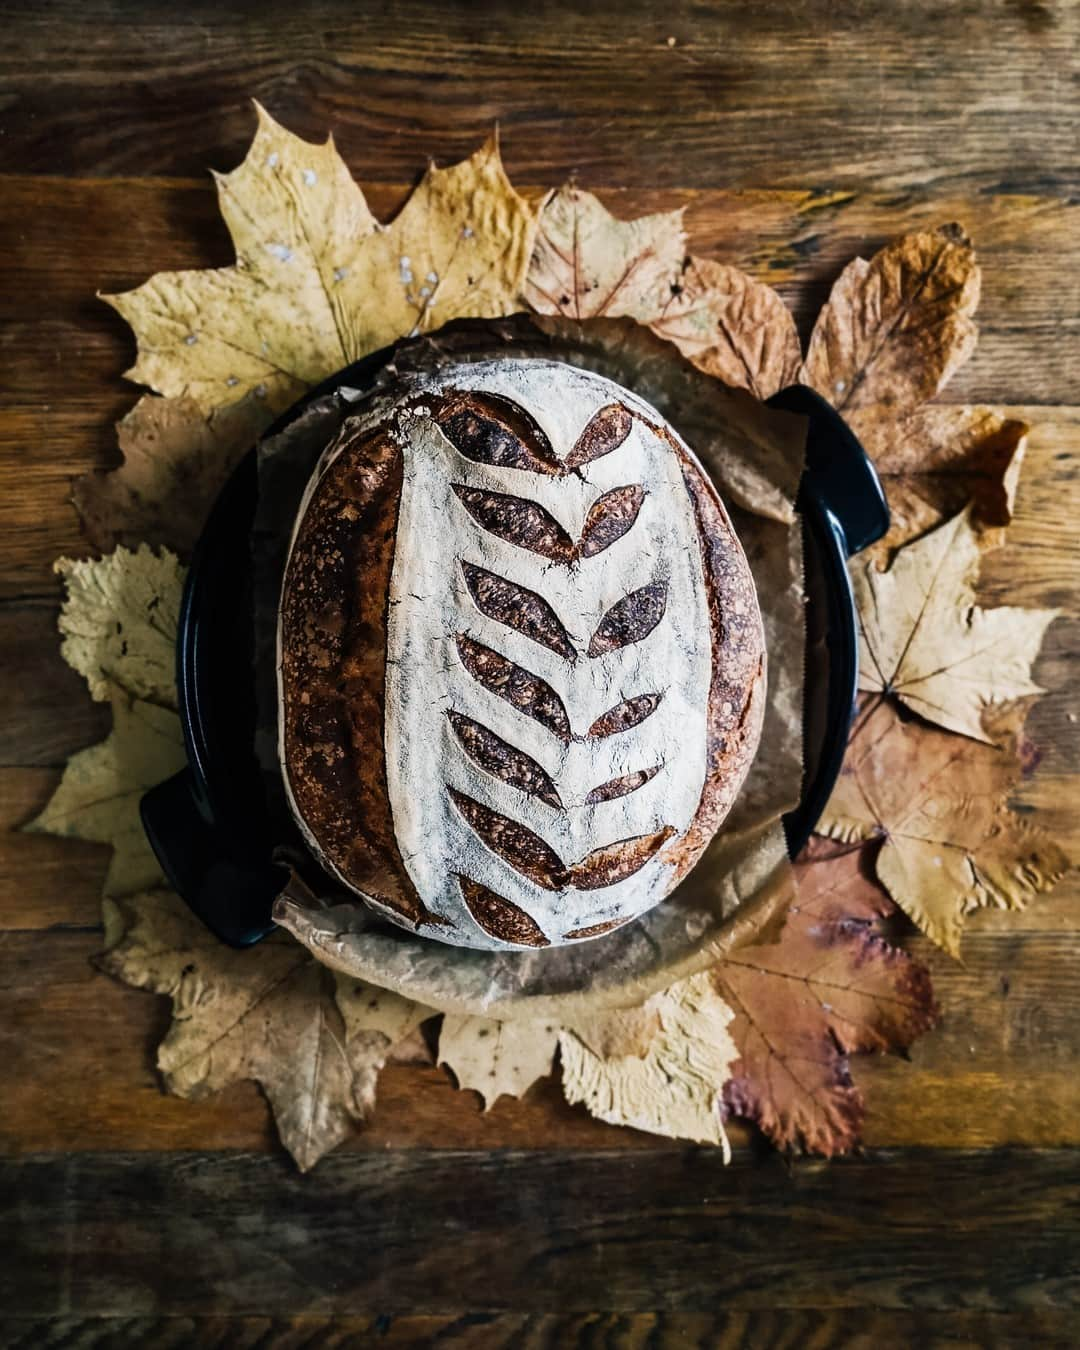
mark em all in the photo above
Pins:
pixel 796 134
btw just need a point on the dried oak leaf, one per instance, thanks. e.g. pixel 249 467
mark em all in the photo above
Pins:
pixel 732 327
pixel 176 460
pixel 829 987
pixel 925 640
pixel 98 796
pixel 497 1058
pixel 314 1042
pixel 937 460
pixel 897 328
pixel 317 281
pixel 674 1088
pixel 938 804
pixel 118 622
pixel 588 264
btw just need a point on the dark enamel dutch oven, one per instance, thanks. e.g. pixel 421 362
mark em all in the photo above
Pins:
pixel 210 826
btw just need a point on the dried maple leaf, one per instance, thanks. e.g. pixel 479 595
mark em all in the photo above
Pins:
pixel 176 460
pixel 314 1042
pixel 318 282
pixel 925 640
pixel 829 987
pixel 588 264
pixel 895 329
pixel 937 460
pixel 118 622
pixel 938 803
pixel 674 1088
pixel 98 796
pixel 732 327
pixel 497 1058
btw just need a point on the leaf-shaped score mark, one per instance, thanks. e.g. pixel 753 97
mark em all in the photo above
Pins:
pixel 621 786
pixel 487 429
pixel 630 619
pixel 518 521
pixel 587 263
pixel 604 432
pixel 830 986
pixel 528 525
pixel 926 641
pixel 527 853
pixel 609 518
pixel 521 688
pixel 314 1041
pixel 502 760
pixel 519 608
pixel 501 917
pixel 896 328
pixel 938 804
pixel 629 713
pixel 318 282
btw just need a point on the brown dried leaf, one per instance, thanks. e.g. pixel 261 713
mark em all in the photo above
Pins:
pixel 318 282
pixel 314 1042
pixel 897 328
pixel 938 803
pixel 925 640
pixel 176 460
pixel 588 264
pixel 937 460
pixel 98 797
pixel 732 327
pixel 118 623
pixel 674 1087
pixel 829 987
pixel 494 1058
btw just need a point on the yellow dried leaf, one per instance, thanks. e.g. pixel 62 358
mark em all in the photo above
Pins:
pixel 497 1058
pixel 675 1088
pixel 937 460
pixel 895 329
pixel 317 281
pixel 314 1042
pixel 119 621
pixel 925 640
pixel 98 796
pixel 938 803
pixel 176 460
pixel 732 327
pixel 588 264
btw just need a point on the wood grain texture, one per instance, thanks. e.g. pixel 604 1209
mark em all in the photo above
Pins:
pixel 808 93
pixel 428 1232
pixel 777 1329
pixel 795 135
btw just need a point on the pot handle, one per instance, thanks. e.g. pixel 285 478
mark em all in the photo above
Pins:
pixel 227 891
pixel 844 507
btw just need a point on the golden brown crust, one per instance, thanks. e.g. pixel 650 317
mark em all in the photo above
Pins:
pixel 333 667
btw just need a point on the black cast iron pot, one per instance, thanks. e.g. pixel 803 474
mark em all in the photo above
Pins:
pixel 210 825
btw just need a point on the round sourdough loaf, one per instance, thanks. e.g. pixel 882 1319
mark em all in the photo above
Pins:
pixel 521 661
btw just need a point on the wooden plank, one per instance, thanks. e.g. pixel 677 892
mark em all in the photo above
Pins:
pixel 135 1234
pixel 834 1329
pixel 110 235
pixel 715 94
pixel 45 711
pixel 999 1070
